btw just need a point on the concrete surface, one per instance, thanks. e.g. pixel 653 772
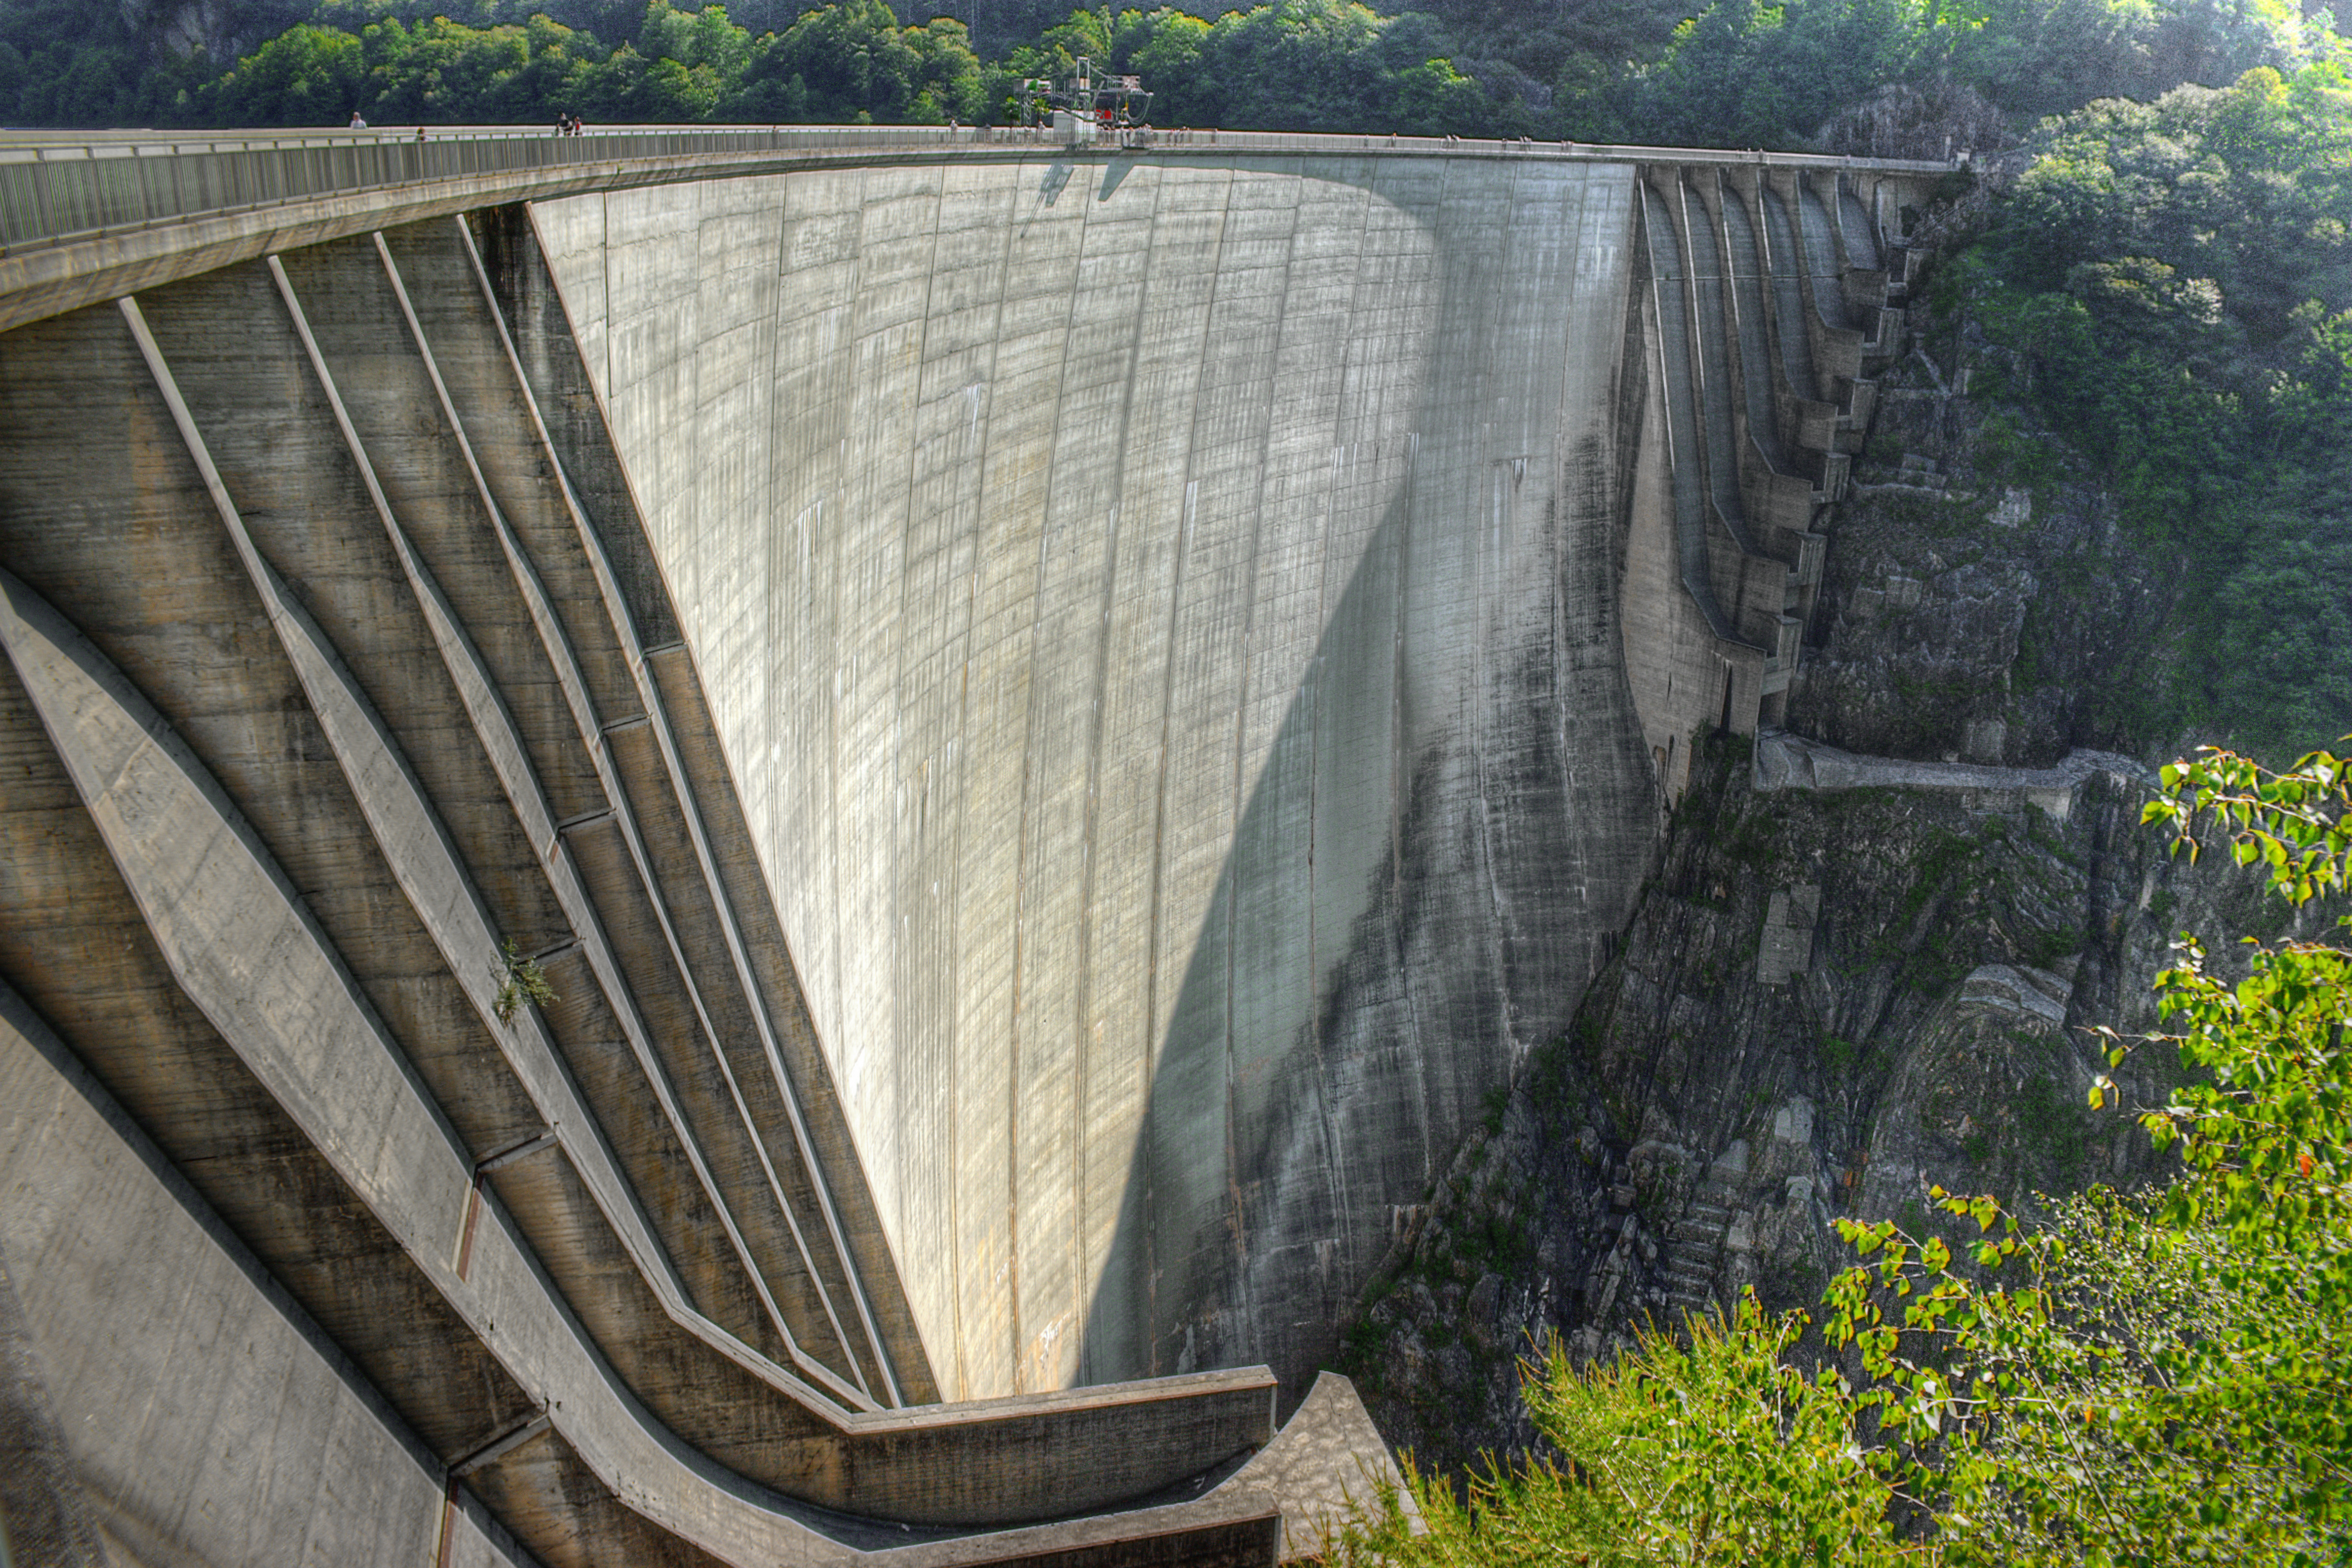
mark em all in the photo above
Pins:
pixel 469 1320
pixel 240 943
pixel 1792 761
pixel 1162 622
pixel 205 1417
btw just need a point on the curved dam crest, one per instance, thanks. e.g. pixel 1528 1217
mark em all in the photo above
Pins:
pixel 1163 623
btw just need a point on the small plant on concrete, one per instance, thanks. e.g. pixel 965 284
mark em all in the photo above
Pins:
pixel 525 982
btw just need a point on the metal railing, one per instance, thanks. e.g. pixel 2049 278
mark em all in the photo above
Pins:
pixel 62 186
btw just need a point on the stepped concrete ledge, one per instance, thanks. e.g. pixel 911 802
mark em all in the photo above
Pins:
pixel 1783 760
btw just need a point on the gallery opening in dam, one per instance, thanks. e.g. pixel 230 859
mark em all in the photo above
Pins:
pixel 780 847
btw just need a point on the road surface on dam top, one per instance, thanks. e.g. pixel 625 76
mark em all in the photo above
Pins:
pixel 1162 618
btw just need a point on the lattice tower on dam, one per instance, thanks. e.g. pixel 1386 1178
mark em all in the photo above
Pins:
pixel 771 847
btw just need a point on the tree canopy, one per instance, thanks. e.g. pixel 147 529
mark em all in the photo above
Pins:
pixel 2175 281
pixel 1737 73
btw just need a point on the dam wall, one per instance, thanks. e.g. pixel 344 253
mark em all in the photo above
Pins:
pixel 1164 622
pixel 238 1397
pixel 329 722
pixel 754 853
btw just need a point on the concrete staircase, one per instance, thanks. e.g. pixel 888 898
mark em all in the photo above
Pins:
pixel 1691 1253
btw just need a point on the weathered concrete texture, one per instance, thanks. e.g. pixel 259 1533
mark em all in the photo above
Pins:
pixel 247 951
pixel 1161 620
pixel 239 887
pixel 1328 1467
pixel 202 1417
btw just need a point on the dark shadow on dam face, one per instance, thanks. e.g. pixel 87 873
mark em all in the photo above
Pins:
pixel 1476 807
pixel 1465 868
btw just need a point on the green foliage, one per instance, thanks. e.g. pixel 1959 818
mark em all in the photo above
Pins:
pixel 1745 73
pixel 2145 1380
pixel 853 57
pixel 1291 65
pixel 1740 72
pixel 1321 65
pixel 522 982
pixel 1714 1451
pixel 2175 279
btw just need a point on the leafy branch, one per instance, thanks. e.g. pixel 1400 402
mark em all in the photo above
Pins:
pixel 2141 1379
pixel 523 982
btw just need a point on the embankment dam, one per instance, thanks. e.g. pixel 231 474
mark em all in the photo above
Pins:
pixel 788 847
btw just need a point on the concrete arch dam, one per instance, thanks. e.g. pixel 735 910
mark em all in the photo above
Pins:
pixel 1052 723
pixel 1162 621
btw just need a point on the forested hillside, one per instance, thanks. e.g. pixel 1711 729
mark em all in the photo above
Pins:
pixel 1737 73
pixel 2157 242
pixel 2174 281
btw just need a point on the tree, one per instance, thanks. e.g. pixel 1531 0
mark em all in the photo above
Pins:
pixel 305 76
pixel 852 58
pixel 2147 1379
pixel 2170 278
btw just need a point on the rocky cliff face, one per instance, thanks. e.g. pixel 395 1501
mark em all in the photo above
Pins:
pixel 1830 999
pixel 220 29
pixel 1979 601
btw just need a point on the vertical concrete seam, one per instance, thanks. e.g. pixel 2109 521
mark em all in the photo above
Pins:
pixel 1021 910
pixel 1401 728
pixel 1156 1047
pixel 1342 459
pixel 1089 1270
pixel 1502 500
pixel 1239 1219
pixel 963 754
pixel 900 1054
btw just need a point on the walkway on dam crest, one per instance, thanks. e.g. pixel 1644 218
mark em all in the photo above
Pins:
pixel 88 215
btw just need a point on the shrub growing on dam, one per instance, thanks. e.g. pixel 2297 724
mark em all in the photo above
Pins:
pixel 2147 1378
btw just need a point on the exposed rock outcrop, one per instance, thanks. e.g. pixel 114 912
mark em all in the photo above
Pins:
pixel 1981 602
pixel 1870 959
pixel 1827 1002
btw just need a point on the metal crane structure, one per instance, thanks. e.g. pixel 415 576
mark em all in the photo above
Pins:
pixel 1095 103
